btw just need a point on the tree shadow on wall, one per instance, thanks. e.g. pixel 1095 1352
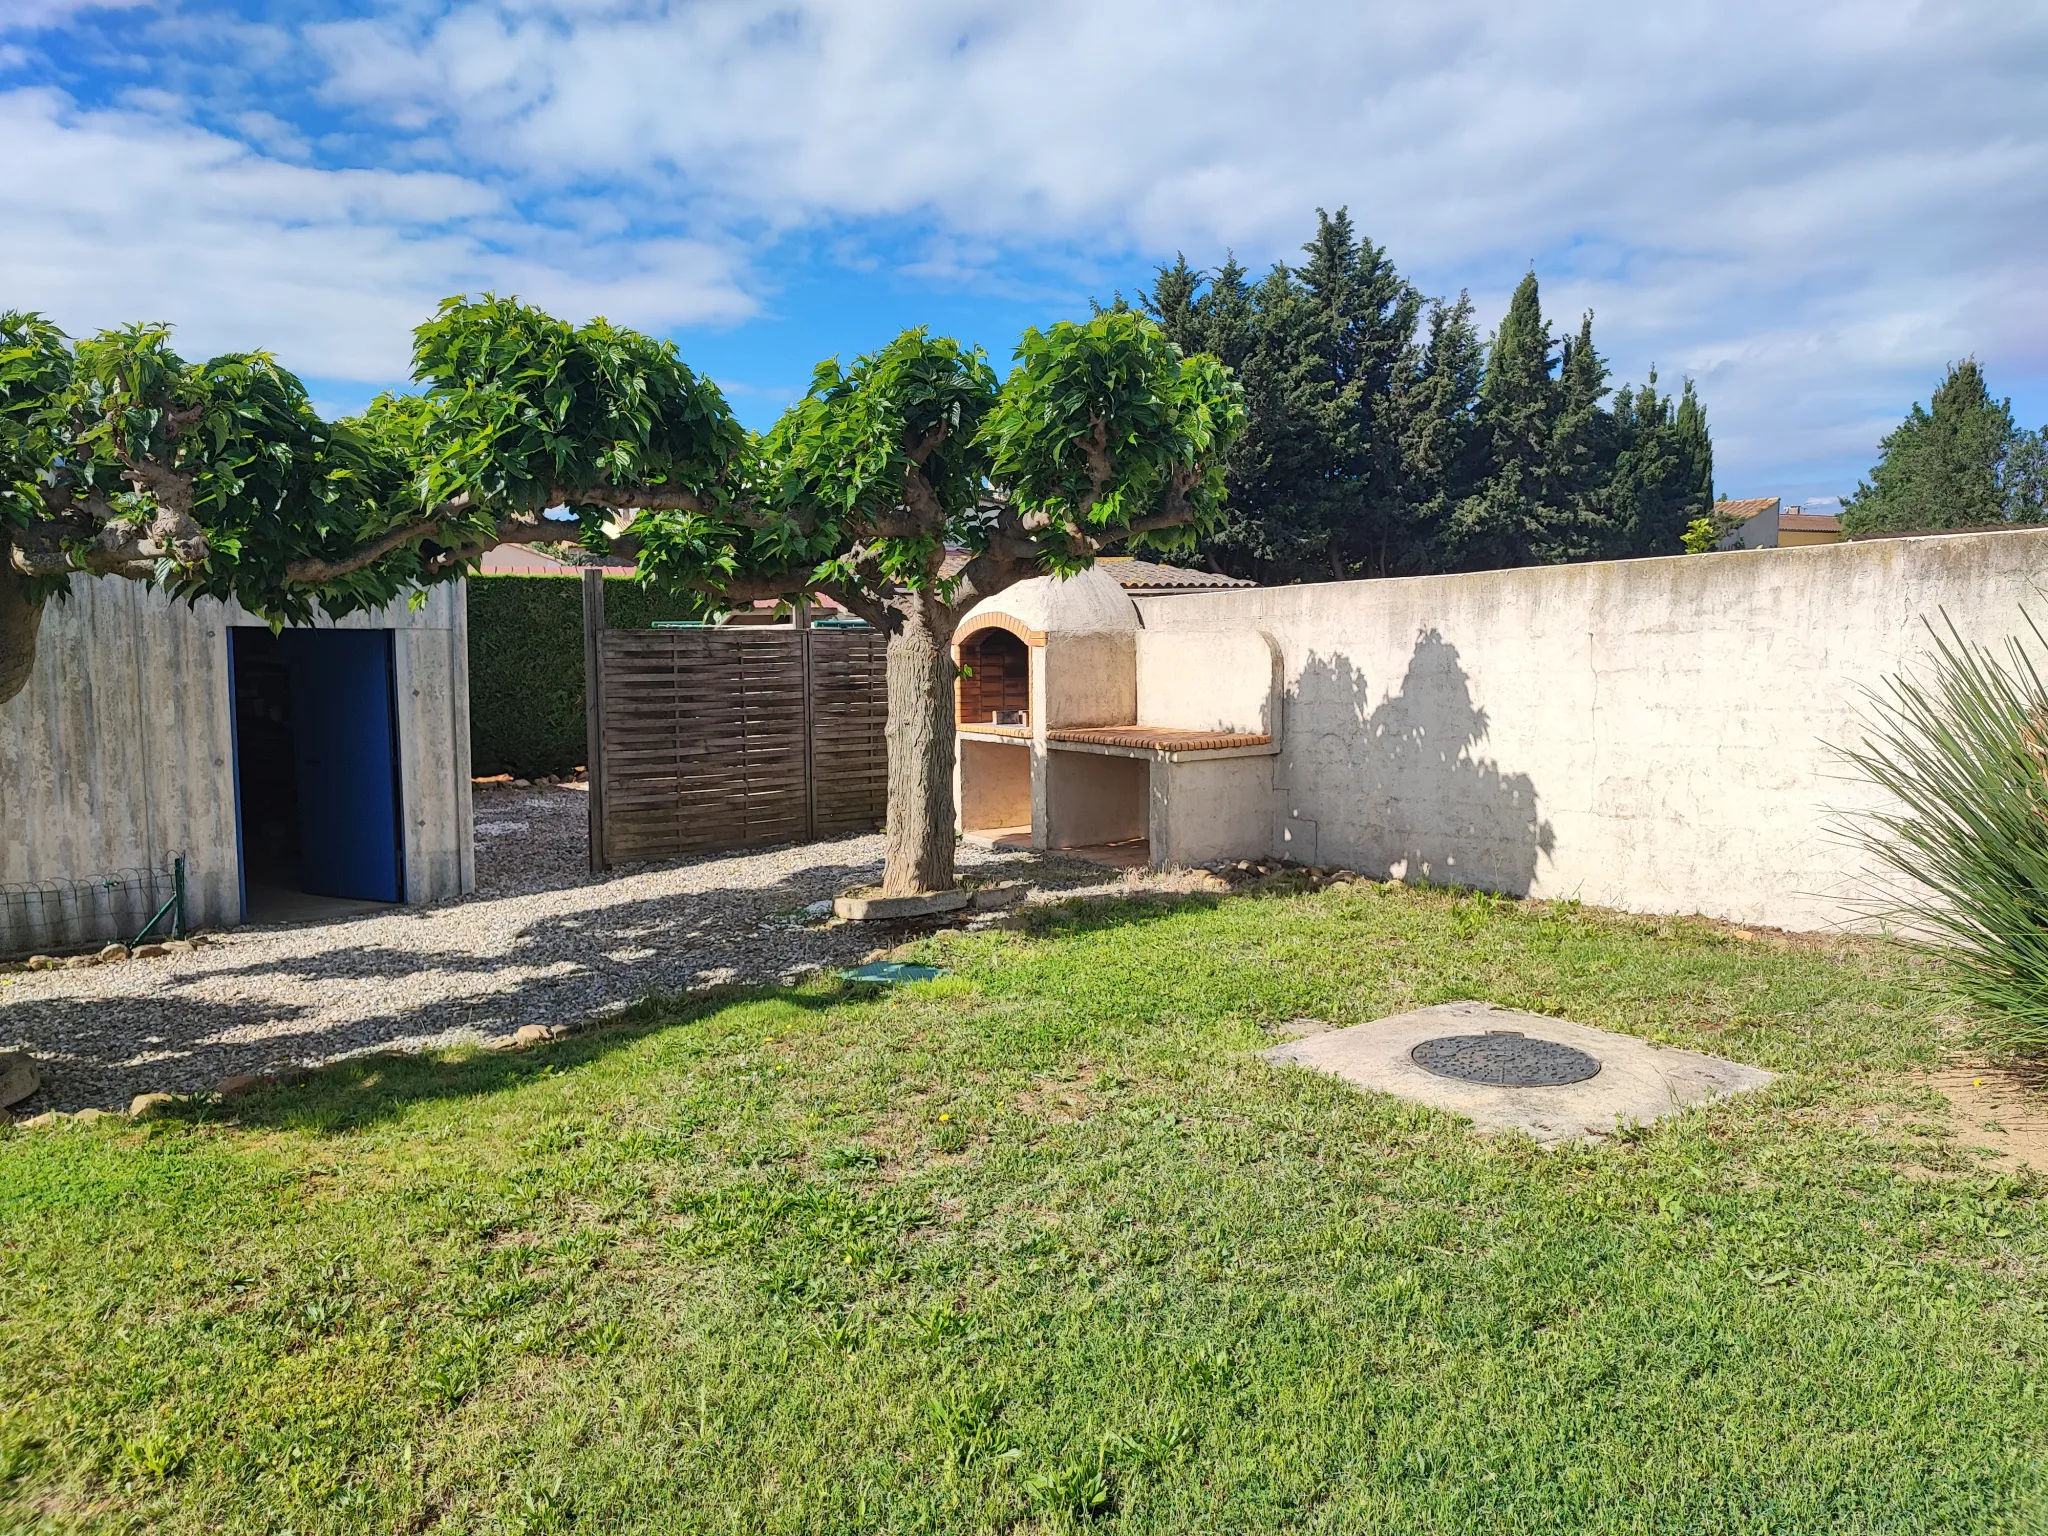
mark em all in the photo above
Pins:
pixel 1426 806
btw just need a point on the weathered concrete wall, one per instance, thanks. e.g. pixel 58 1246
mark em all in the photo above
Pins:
pixel 1646 734
pixel 1089 679
pixel 1215 808
pixel 119 754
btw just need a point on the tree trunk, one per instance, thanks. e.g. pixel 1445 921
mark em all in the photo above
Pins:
pixel 921 746
pixel 20 618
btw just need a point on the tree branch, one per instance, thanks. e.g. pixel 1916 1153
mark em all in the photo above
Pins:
pixel 927 445
pixel 927 515
pixel 988 573
pixel 1101 467
pixel 855 601
pixel 313 569
pixel 629 498
pixel 515 530
pixel 1179 518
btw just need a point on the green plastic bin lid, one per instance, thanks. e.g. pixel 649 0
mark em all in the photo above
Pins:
pixel 891 972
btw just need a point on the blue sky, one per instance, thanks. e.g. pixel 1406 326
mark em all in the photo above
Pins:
pixel 1809 209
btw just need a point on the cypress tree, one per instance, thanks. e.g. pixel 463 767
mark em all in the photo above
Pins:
pixel 1662 475
pixel 2026 477
pixel 1941 466
pixel 1442 453
pixel 1505 522
pixel 1316 348
pixel 1386 440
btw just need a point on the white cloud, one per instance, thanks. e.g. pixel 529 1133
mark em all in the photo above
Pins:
pixel 1802 205
pixel 24 15
pixel 1807 207
pixel 118 215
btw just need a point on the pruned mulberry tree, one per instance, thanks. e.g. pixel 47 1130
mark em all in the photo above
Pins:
pixel 118 457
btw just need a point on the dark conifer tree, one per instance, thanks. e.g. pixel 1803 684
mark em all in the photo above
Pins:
pixel 1505 521
pixel 1380 445
pixel 1942 467
pixel 1441 447
pixel 1662 476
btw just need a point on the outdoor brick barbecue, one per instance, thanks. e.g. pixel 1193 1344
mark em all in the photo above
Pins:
pixel 1082 730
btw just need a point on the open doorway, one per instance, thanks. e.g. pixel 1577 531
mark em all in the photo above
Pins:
pixel 316 772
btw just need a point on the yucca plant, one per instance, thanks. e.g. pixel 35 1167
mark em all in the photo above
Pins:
pixel 1964 750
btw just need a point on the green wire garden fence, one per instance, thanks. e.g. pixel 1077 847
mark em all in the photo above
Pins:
pixel 125 906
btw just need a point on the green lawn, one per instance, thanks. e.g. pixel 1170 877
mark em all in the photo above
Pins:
pixel 1042 1244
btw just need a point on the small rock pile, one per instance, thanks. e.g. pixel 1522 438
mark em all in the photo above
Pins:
pixel 1251 872
pixel 110 953
pixel 546 780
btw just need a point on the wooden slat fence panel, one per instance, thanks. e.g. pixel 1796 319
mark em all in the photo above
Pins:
pixel 849 713
pixel 734 737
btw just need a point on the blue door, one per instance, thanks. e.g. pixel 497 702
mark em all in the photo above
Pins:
pixel 345 753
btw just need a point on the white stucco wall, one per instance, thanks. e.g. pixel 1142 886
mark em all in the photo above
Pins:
pixel 1646 734
pixel 1209 680
pixel 118 754
pixel 1209 809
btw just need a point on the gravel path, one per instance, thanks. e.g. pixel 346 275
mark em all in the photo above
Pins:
pixel 541 941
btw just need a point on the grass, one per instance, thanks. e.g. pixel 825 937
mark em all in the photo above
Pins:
pixel 1043 1245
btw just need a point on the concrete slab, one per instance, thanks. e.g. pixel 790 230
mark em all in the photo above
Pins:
pixel 1638 1083
pixel 880 909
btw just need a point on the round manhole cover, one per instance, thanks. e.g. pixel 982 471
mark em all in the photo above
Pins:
pixel 1504 1059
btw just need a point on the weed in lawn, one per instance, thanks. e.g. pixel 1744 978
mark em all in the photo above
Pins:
pixel 1075 1489
pixel 153 1455
pixel 967 1422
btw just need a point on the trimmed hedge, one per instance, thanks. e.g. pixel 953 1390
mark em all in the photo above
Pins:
pixel 526 666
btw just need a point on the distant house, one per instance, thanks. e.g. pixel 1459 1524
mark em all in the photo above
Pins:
pixel 1762 523
pixel 1755 521
pixel 1798 528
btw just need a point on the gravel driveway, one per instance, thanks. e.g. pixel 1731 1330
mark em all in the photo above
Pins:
pixel 541 941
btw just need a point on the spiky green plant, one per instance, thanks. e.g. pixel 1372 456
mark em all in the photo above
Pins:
pixel 1963 749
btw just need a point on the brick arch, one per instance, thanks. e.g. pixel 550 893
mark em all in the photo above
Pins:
pixel 1017 627
pixel 1000 661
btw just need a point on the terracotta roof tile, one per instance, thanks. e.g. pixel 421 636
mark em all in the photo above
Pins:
pixel 1159 738
pixel 1134 575
pixel 1150 575
pixel 1743 511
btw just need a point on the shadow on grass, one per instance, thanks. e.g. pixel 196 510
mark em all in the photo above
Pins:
pixel 361 1091
pixel 1099 913
pixel 1096 914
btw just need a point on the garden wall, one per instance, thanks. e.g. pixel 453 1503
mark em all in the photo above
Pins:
pixel 1645 734
pixel 526 667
